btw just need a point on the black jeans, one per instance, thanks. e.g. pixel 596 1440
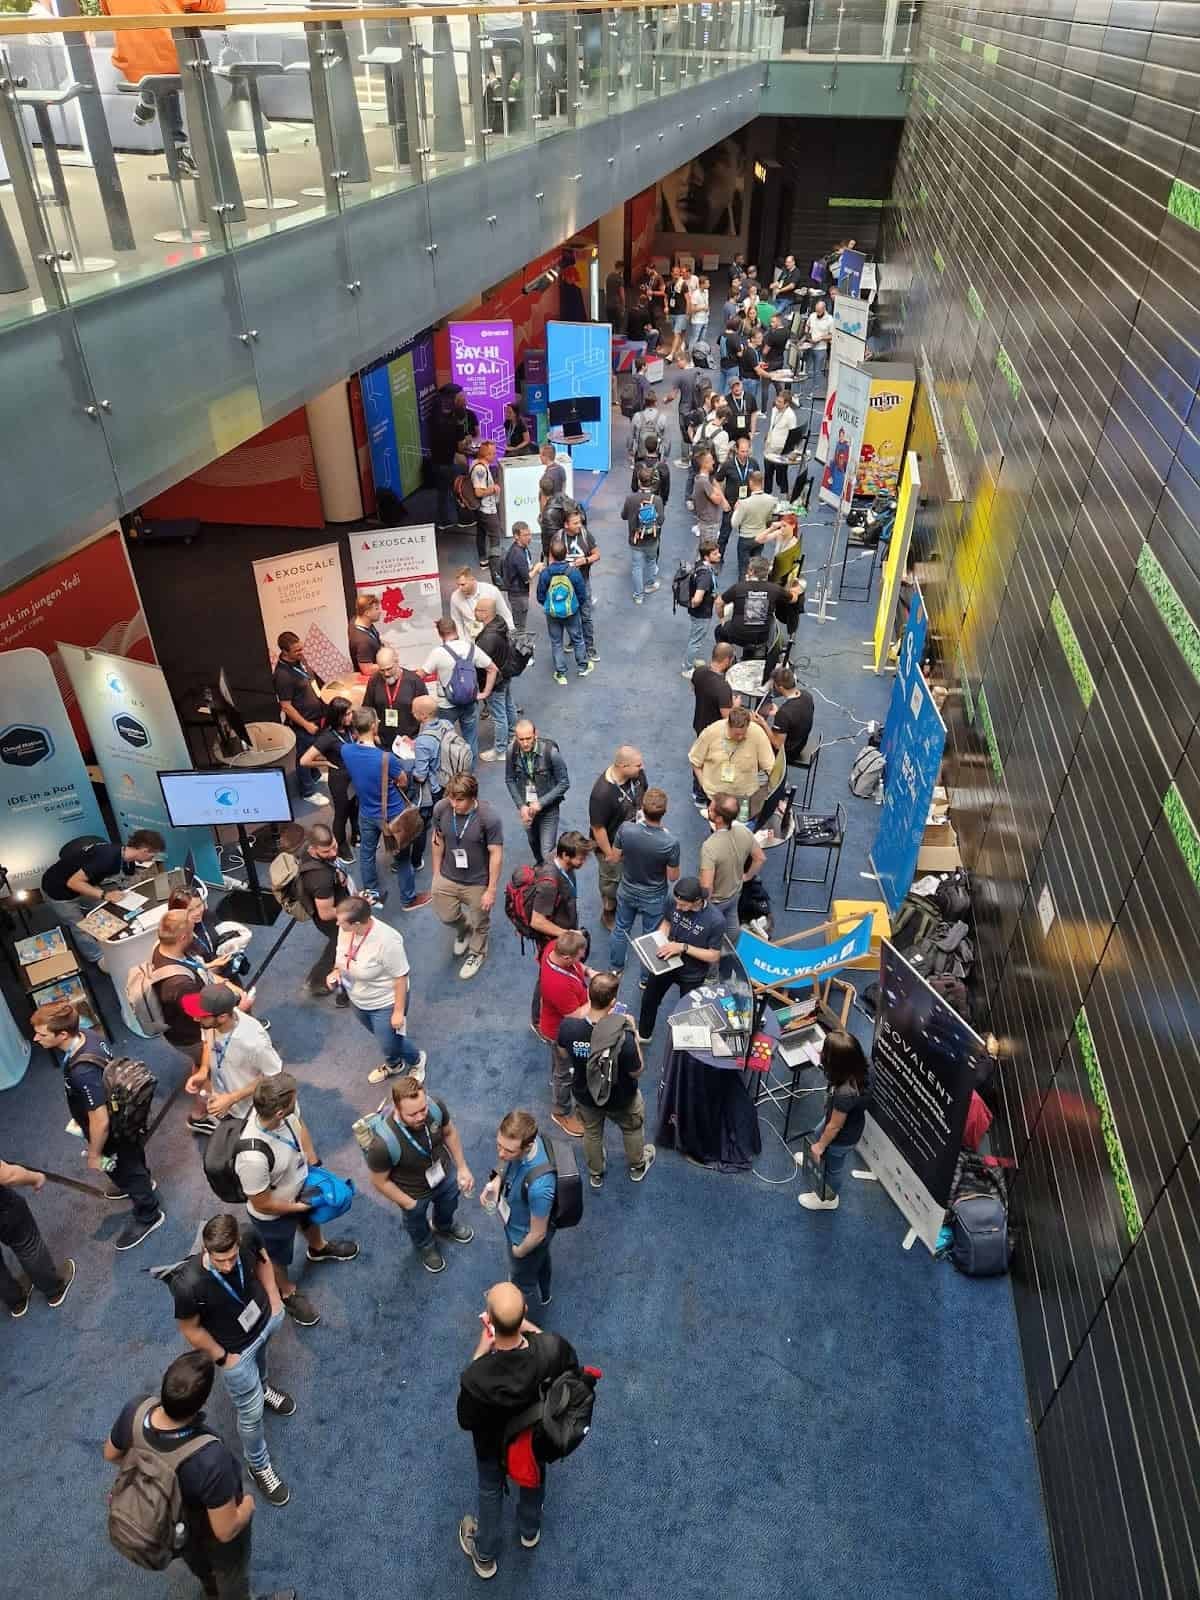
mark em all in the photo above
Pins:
pixel 345 811
pixel 132 1174
pixel 323 965
pixel 775 474
pixel 223 1569
pixel 19 1231
pixel 657 985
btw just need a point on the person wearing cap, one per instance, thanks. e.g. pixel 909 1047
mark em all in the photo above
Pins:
pixel 693 930
pixel 236 1053
pixel 752 517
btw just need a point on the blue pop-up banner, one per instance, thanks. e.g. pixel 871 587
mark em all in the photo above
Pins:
pixel 579 355
pixel 779 967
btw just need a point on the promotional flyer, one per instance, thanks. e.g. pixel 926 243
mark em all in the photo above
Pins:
pixel 302 594
pixel 482 361
pixel 400 565
pixel 136 734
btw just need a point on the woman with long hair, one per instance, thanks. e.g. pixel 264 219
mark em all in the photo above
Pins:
pixel 847 1074
pixel 325 751
pixel 516 435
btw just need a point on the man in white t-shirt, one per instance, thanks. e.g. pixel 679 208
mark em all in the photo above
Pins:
pixel 440 663
pixel 468 591
pixel 275 1152
pixel 489 535
pixel 820 332
pixel 371 965
pixel 236 1053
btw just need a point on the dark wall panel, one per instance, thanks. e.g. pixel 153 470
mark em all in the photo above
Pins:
pixel 1045 233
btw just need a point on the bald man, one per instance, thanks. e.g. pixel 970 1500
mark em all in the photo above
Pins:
pixel 616 798
pixel 512 1359
pixel 390 695
pixel 493 639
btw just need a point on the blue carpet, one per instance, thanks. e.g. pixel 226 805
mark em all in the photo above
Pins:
pixel 792 1405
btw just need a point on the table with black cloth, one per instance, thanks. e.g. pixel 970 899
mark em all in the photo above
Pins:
pixel 705 1109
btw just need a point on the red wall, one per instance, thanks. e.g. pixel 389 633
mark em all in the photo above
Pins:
pixel 269 481
pixel 641 218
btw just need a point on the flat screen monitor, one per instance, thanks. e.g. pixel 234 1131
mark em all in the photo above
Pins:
pixel 226 796
pixel 581 408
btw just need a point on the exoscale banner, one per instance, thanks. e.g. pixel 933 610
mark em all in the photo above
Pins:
pixel 135 733
pixel 400 565
pixel 481 360
pixel 302 594
pixel 921 1081
pixel 45 791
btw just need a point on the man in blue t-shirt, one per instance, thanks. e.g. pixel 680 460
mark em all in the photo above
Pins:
pixel 524 1208
pixel 694 930
pixel 364 761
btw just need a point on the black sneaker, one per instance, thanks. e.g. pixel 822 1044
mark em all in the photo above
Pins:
pixel 134 1231
pixel 432 1259
pixel 302 1311
pixel 335 1250
pixel 113 1191
pixel 283 1405
pixel 341 999
pixel 21 1307
pixel 545 1299
pixel 460 1232
pixel 142 114
pixel 186 162
pixel 271 1484
pixel 68 1278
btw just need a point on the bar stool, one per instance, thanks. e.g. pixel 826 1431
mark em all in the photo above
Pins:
pixel 158 86
pixel 244 76
pixel 42 102
pixel 391 59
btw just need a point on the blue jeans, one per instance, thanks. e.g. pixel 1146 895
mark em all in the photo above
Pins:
pixel 697 641
pixel 444 1200
pixel 837 1157
pixel 504 715
pixel 572 627
pixel 643 561
pixel 747 549
pixel 649 904
pixel 370 832
pixel 532 1271
pixel 542 834
pixel 244 1385
pixel 725 378
pixel 398 1049
pixel 467 718
pixel 491 1505
pixel 443 477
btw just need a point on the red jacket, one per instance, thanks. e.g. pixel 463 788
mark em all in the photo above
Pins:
pixel 564 989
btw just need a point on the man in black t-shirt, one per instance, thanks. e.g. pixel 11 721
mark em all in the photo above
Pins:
pixel 227 1306
pixel 323 887
pixel 624 1106
pixel 390 695
pixel 785 283
pixel 216 1510
pixel 791 724
pixel 747 611
pixel 616 797
pixel 711 689
pixel 694 931
pixel 300 706
pixel 72 886
pixel 415 1158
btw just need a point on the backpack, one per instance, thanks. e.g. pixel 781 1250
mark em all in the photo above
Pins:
pixel 561 600
pixel 462 688
pixel 288 887
pixel 916 919
pixel 567 1209
pixel 683 586
pixel 608 1036
pixel 521 650
pixel 464 492
pixel 454 755
pixel 953 991
pixel 944 952
pixel 701 353
pixel 866 775
pixel 518 896
pixel 141 991
pixel 128 1092
pixel 980 1245
pixel 628 398
pixel 378 1125
pixel 646 528
pixel 146 1519
pixel 953 895
pixel 556 1423
pixel 221 1150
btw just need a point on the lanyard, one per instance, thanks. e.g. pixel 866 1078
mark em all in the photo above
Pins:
pixel 628 796
pixel 220 1049
pixel 459 834
pixel 529 762
pixel 202 937
pixel 242 1299
pixel 420 1149
pixel 301 672
pixel 366 627
pixel 742 468
pixel 567 877
pixel 391 692
pixel 285 1136
pixel 354 947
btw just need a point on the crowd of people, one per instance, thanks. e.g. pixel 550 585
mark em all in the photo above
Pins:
pixel 403 784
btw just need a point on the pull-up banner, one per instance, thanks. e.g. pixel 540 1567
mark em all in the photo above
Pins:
pixel 921 1082
pixel 481 360
pixel 400 565
pixel 302 594
pixel 846 436
pixel 136 735
pixel 778 967
pixel 911 776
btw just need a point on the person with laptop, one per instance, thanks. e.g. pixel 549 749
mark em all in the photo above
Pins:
pixel 693 930
pixel 82 879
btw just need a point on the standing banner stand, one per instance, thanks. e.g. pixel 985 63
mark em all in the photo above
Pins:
pixel 911 776
pixel 893 385
pixel 302 594
pixel 837 481
pixel 519 479
pixel 135 733
pixel 921 1082
pixel 46 796
pixel 580 361
pixel 397 394
pixel 482 362
pixel 15 1048
pixel 912 653
pixel 897 560
pixel 400 565
pixel 849 343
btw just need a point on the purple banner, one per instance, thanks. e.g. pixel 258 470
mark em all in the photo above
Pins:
pixel 481 360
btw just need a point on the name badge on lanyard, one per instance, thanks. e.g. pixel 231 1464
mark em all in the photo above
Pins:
pixel 435 1174
pixel 251 1313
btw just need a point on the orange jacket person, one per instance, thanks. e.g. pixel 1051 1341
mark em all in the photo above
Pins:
pixel 148 52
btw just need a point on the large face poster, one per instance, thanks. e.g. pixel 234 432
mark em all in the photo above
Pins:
pixel 302 594
pixel 400 566
pixel 921 1082
pixel 482 361
pixel 708 194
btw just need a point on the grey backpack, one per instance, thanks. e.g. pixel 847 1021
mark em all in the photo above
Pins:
pixel 145 1509
pixel 866 775
pixel 608 1036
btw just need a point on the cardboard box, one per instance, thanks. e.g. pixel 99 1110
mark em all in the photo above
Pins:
pixel 939 850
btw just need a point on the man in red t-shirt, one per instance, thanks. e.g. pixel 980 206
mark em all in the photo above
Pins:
pixel 563 988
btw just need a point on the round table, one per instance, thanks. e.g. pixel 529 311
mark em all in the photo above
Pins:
pixel 745 678
pixel 705 1108
pixel 567 440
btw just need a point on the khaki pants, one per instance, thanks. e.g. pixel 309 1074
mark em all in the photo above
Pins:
pixel 459 906
pixel 631 1120
pixel 610 880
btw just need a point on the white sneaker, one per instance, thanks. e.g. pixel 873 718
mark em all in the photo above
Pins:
pixel 687 673
pixel 811 1201
pixel 417 1070
pixel 864 1175
pixel 460 946
pixel 491 755
pixel 471 965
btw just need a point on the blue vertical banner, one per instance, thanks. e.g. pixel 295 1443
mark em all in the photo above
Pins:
pixel 135 733
pixel 398 392
pixel 579 356
pixel 46 796
pixel 850 271
pixel 912 652
pixel 381 427
pixel 912 775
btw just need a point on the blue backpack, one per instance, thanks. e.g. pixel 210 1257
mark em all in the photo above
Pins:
pixel 561 600
pixel 330 1196
pixel 379 1126
pixel 463 686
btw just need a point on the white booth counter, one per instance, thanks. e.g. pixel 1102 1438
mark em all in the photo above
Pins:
pixel 519 479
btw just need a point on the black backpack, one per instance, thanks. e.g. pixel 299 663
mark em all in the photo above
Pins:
pixel 129 1087
pixel 521 649
pixel 953 895
pixel 221 1151
pixel 980 1246
pixel 916 919
pixel 683 586
pixel 628 398
pixel 944 952
pixel 567 1209
pixel 560 1418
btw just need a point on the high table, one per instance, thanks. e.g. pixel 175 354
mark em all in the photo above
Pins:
pixel 705 1108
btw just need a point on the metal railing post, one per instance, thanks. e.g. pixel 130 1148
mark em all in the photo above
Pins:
pixel 45 253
